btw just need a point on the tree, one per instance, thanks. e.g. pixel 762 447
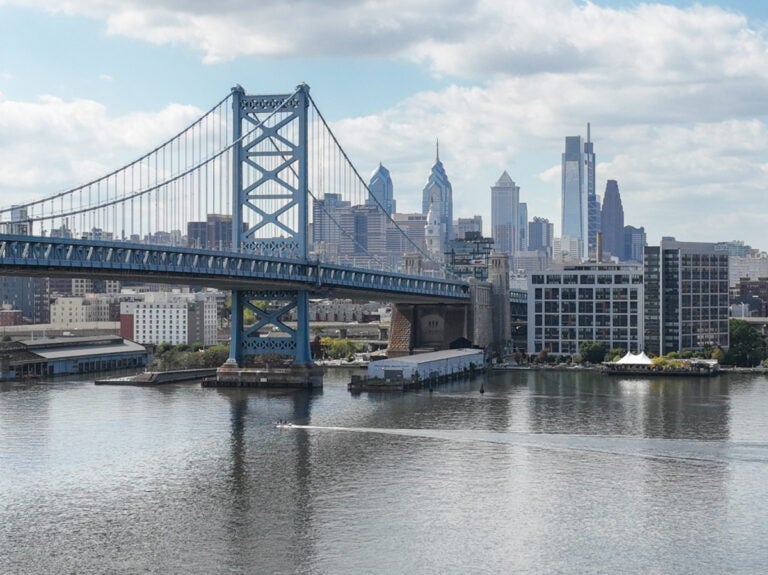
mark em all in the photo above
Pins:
pixel 747 348
pixel 338 348
pixel 215 355
pixel 592 351
pixel 615 354
pixel 718 354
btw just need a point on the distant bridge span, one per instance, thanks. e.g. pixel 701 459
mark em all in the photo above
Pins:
pixel 59 257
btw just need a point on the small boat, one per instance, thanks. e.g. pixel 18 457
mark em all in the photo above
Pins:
pixel 283 425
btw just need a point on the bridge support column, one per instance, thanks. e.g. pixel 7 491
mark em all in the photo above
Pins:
pixel 270 199
pixel 270 353
pixel 420 328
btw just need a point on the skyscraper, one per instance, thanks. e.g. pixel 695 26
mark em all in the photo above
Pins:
pixel 505 203
pixel 612 221
pixel 522 226
pixel 580 205
pixel 634 243
pixel 438 195
pixel 382 191
pixel 540 235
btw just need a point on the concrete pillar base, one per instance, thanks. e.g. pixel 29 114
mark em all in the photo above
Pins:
pixel 291 377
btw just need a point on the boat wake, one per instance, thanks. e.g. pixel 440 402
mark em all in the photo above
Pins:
pixel 721 451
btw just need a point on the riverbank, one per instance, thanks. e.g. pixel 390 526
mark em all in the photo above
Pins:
pixel 723 370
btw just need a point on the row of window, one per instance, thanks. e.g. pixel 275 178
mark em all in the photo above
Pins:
pixel 586 334
pixel 567 320
pixel 570 279
pixel 569 294
pixel 603 306
pixel 571 347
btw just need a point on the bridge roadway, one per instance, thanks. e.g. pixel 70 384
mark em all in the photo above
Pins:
pixel 62 257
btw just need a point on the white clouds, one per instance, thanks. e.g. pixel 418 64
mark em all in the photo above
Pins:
pixel 50 145
pixel 470 39
pixel 677 98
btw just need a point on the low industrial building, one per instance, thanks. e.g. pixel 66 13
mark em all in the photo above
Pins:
pixel 49 357
pixel 436 364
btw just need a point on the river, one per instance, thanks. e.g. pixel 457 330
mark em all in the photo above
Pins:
pixel 544 473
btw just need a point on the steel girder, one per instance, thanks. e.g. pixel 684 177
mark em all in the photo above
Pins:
pixel 62 257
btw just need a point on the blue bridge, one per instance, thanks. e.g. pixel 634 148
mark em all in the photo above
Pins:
pixel 258 173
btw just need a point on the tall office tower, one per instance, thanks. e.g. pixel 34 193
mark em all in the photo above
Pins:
pixel 541 235
pixel 612 221
pixel 382 190
pixel 326 234
pixel 634 244
pixel 580 205
pixel 405 235
pixel 365 231
pixel 686 297
pixel 522 226
pixel 215 233
pixel 505 215
pixel 593 200
pixel 438 194
pixel 219 231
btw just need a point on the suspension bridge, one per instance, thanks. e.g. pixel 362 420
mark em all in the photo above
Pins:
pixel 231 202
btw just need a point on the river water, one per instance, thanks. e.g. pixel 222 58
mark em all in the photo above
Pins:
pixel 545 472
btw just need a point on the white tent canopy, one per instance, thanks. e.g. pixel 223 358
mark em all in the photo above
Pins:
pixel 635 359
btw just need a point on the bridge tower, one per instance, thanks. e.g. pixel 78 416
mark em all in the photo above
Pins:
pixel 270 199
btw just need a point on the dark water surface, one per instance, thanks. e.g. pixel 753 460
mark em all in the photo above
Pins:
pixel 546 472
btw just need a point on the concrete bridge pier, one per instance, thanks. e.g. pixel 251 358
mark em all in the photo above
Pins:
pixel 484 322
pixel 277 376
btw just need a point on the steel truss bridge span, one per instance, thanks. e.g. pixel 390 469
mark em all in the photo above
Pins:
pixel 60 257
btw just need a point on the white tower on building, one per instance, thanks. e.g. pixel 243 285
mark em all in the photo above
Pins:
pixel 434 232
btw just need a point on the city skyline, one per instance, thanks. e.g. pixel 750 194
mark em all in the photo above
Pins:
pixel 678 116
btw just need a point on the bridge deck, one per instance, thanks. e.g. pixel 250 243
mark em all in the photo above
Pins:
pixel 60 257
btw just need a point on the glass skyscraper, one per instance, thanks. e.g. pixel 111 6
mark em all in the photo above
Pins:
pixel 382 191
pixel 580 205
pixel 505 203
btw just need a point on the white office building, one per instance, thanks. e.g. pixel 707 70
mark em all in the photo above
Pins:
pixel 590 302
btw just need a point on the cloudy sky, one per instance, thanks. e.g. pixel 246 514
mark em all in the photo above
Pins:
pixel 676 94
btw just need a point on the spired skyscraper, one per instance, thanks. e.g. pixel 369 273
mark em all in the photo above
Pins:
pixel 438 196
pixel 580 204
